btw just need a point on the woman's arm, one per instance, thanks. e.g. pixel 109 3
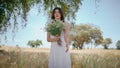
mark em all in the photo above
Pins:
pixel 51 39
pixel 66 35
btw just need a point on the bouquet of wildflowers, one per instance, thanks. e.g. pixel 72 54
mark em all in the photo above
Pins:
pixel 55 28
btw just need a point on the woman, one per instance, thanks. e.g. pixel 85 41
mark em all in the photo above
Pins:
pixel 59 54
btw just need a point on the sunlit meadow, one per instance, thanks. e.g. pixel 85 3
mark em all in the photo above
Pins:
pixel 16 57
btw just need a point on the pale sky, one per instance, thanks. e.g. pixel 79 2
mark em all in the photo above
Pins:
pixel 106 16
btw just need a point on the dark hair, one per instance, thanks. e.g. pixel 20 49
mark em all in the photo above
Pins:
pixel 60 11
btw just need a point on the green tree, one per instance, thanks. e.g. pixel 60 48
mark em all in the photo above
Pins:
pixel 31 43
pixel 38 43
pixel 106 42
pixel 84 34
pixel 12 10
pixel 118 44
pixel 35 43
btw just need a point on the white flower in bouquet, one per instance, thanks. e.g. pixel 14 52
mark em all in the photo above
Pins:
pixel 55 27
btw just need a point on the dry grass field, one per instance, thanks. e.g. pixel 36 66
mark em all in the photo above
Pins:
pixel 16 57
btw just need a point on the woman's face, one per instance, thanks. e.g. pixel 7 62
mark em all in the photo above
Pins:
pixel 57 14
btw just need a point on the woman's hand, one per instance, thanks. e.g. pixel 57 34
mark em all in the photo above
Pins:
pixel 52 39
pixel 56 38
pixel 67 47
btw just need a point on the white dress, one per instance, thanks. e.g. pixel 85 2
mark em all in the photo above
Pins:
pixel 59 58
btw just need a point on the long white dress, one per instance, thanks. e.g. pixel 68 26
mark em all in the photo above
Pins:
pixel 59 58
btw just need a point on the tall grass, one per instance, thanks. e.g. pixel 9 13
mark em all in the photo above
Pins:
pixel 86 58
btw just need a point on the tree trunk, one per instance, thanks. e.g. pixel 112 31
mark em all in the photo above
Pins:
pixel 105 47
pixel 81 46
